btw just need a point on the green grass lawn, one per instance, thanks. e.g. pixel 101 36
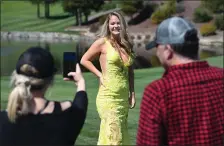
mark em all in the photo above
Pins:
pixel 65 90
pixel 22 16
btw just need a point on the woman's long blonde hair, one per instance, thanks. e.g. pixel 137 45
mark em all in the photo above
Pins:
pixel 20 99
pixel 126 41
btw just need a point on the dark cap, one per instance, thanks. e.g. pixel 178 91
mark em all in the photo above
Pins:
pixel 171 31
pixel 36 62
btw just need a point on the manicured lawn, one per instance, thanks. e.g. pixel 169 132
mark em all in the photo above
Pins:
pixel 65 91
pixel 22 16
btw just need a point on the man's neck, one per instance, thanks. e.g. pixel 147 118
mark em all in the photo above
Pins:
pixel 181 60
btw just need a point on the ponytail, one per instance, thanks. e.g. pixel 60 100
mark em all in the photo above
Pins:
pixel 20 98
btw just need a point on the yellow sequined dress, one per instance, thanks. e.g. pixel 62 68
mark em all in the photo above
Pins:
pixel 112 100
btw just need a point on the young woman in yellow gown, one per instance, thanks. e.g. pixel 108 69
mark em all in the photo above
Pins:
pixel 116 92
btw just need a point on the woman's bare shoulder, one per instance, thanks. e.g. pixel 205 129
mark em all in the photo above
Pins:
pixel 100 41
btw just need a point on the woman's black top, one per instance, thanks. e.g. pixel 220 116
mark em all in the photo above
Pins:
pixel 57 128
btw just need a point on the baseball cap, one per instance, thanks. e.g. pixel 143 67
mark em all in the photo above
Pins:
pixel 40 59
pixel 171 31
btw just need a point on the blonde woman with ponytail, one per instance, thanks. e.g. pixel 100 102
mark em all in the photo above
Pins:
pixel 116 90
pixel 31 119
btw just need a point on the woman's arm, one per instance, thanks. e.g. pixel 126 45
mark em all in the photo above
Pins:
pixel 131 79
pixel 93 52
pixel 80 101
pixel 131 87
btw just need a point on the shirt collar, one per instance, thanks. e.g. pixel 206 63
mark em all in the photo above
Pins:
pixel 187 66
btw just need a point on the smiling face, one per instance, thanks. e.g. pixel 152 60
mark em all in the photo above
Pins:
pixel 114 25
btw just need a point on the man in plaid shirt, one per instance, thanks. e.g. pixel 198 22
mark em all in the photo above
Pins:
pixel 185 106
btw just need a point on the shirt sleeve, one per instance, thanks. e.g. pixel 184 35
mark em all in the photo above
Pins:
pixel 79 108
pixel 81 101
pixel 150 120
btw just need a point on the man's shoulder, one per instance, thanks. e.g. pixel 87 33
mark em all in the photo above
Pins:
pixel 215 72
pixel 217 69
pixel 158 85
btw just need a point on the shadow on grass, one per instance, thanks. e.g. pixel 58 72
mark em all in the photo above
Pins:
pixel 57 17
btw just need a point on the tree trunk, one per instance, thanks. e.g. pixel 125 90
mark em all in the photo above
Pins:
pixel 80 17
pixel 47 9
pixel 38 9
pixel 77 17
pixel 86 18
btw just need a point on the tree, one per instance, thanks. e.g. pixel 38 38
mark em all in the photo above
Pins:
pixel 72 6
pixel 132 6
pixel 37 2
pixel 89 5
pixel 77 7
pixel 216 6
pixel 46 4
pixel 47 7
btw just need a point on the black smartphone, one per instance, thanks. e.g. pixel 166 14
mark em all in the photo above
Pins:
pixel 69 63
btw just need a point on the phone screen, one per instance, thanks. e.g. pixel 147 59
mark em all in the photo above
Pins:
pixel 69 63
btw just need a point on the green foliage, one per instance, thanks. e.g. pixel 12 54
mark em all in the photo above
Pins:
pixel 128 9
pixel 163 12
pixel 208 29
pixel 152 6
pixel 78 7
pixel 108 6
pixel 71 5
pixel 158 16
pixel 219 21
pixel 47 6
pixel 202 14
pixel 215 6
pixel 131 6
pixel 43 1
pixel 85 5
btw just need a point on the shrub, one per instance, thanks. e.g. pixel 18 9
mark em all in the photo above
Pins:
pixel 150 5
pixel 108 6
pixel 163 12
pixel 208 29
pixel 102 19
pixel 215 6
pixel 158 16
pixel 202 15
pixel 219 22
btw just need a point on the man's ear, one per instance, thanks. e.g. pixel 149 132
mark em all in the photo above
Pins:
pixel 168 52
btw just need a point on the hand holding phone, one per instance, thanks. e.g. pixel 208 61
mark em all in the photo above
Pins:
pixel 77 78
pixel 69 63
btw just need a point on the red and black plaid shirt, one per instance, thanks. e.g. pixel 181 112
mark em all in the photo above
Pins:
pixel 184 107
